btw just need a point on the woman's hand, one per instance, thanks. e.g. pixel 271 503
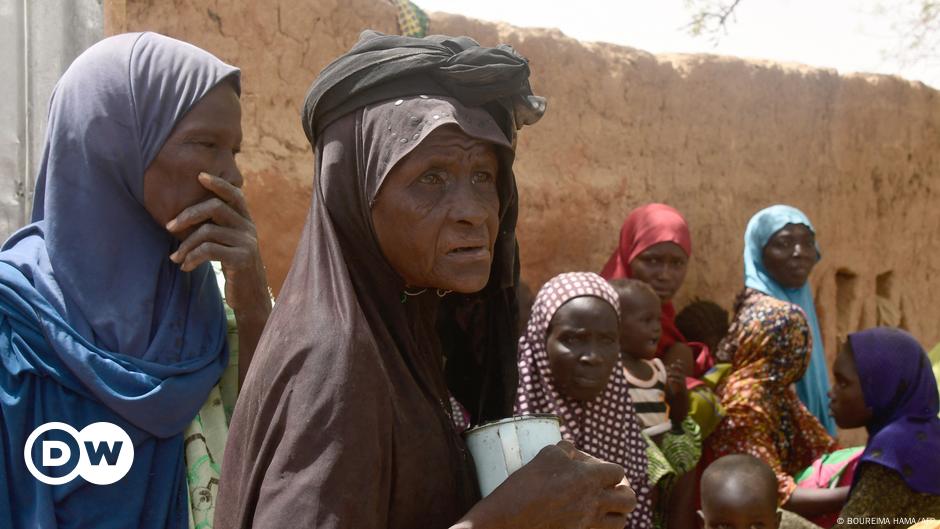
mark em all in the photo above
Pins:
pixel 222 230
pixel 677 395
pixel 562 488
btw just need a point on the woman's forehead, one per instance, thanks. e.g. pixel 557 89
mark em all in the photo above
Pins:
pixel 451 135
pixel 663 249
pixel 584 311
pixel 794 230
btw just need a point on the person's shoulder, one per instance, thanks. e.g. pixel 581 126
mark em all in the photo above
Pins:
pixel 881 476
pixel 766 308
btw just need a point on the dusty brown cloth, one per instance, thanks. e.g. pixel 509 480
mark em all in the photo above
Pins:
pixel 344 420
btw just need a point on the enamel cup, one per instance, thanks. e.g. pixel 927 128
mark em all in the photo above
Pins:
pixel 503 447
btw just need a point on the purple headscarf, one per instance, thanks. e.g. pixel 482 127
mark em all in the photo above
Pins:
pixel 606 427
pixel 899 387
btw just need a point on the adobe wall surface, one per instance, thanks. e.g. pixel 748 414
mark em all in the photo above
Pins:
pixel 716 137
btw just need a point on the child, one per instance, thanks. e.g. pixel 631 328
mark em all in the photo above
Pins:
pixel 739 491
pixel 704 322
pixel 662 404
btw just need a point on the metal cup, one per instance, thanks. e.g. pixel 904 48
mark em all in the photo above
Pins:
pixel 503 447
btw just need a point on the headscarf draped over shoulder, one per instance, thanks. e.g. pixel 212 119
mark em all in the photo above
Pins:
pixel 646 226
pixel 813 387
pixel 899 387
pixel 606 427
pixel 96 323
pixel 763 415
pixel 344 420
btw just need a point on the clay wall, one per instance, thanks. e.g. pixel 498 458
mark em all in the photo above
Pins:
pixel 716 137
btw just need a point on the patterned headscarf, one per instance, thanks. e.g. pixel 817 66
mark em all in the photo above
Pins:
pixel 764 417
pixel 644 227
pixel 606 427
pixel 899 386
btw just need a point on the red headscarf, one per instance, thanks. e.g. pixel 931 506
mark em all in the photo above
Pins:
pixel 645 226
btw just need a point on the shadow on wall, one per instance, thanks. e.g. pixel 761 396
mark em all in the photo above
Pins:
pixel 848 300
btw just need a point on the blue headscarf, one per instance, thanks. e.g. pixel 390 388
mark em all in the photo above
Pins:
pixel 96 323
pixel 813 388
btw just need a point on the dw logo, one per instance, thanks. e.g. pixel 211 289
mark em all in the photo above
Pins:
pixel 103 450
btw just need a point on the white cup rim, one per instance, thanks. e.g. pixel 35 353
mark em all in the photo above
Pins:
pixel 513 419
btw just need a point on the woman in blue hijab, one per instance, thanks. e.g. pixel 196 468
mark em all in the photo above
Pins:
pixel 109 309
pixel 780 251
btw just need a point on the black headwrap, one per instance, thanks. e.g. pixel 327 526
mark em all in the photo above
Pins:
pixel 344 418
pixel 476 330
pixel 383 67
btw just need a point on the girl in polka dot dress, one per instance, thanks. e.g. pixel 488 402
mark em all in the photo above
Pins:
pixel 569 366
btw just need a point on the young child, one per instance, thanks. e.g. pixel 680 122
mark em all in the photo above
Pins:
pixel 704 322
pixel 739 491
pixel 658 394
pixel 662 403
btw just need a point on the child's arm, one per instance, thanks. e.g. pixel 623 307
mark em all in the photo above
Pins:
pixel 677 396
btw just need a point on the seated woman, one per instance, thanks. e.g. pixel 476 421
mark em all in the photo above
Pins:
pixel 883 382
pixel 659 395
pixel 109 308
pixel 780 251
pixel 655 247
pixel 569 364
pixel 771 343
pixel 401 296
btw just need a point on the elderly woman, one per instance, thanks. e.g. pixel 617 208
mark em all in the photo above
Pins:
pixel 401 301
pixel 109 308
pixel 655 246
pixel 780 251
pixel 883 382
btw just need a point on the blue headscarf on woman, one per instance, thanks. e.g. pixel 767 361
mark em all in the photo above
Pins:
pixel 813 388
pixel 96 323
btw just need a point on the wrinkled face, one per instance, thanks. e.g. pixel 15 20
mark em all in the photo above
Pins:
pixel 640 323
pixel 661 266
pixel 206 139
pixel 582 347
pixel 847 402
pixel 790 255
pixel 436 215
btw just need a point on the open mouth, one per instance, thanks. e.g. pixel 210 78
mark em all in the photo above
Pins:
pixel 469 252
pixel 467 249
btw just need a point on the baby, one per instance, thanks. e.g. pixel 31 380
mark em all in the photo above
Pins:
pixel 739 491
pixel 659 395
pixel 703 321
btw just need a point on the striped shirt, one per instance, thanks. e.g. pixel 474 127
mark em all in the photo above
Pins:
pixel 649 398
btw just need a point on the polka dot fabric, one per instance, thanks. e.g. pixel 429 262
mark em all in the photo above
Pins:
pixel 606 428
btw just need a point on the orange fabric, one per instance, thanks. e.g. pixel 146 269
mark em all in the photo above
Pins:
pixel 763 415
